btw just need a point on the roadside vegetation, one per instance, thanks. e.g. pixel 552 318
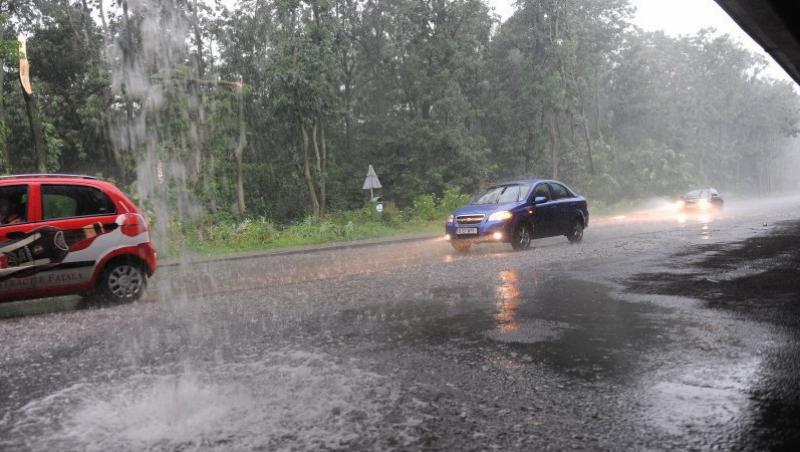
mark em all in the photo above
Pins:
pixel 225 233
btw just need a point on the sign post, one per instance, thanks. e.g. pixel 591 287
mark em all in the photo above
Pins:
pixel 371 183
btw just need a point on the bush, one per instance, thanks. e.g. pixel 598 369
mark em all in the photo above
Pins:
pixel 225 232
pixel 430 208
pixel 247 233
pixel 313 229
pixel 176 239
pixel 424 208
pixel 392 214
pixel 451 200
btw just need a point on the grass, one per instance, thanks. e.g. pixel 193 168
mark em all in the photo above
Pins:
pixel 221 234
pixel 261 234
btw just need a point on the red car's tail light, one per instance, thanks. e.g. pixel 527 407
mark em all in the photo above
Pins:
pixel 133 225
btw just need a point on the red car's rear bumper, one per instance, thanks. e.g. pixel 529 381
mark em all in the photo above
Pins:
pixel 147 252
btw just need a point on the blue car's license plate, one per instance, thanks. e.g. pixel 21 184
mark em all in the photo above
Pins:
pixel 467 231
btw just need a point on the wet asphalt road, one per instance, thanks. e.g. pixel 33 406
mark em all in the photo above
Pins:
pixel 656 333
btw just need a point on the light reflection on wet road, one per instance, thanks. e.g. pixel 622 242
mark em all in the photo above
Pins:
pixel 402 346
pixel 507 302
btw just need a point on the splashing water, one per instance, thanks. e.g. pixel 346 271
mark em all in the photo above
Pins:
pixel 287 401
pixel 144 60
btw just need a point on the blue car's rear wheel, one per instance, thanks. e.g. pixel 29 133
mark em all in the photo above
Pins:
pixel 575 234
pixel 522 236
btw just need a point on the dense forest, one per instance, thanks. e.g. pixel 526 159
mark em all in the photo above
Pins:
pixel 276 107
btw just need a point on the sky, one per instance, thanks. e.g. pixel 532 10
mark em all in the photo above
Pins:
pixel 679 17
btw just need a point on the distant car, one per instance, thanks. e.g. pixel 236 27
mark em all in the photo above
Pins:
pixel 63 235
pixel 517 212
pixel 701 200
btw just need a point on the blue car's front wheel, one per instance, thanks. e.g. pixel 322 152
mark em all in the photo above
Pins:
pixel 460 246
pixel 522 236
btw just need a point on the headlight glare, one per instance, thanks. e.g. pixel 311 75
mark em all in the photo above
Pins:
pixel 450 219
pixel 500 216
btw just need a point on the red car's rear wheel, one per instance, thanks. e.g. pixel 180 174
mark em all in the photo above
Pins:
pixel 122 281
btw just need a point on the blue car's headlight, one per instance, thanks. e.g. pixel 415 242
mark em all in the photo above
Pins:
pixel 450 219
pixel 500 216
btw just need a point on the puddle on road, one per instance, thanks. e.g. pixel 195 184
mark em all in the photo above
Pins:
pixel 574 326
pixel 711 398
pixel 755 280
pixel 283 401
pixel 578 328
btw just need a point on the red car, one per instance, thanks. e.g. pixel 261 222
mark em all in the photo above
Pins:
pixel 63 235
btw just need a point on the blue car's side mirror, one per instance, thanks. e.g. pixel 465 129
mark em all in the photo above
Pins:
pixel 540 200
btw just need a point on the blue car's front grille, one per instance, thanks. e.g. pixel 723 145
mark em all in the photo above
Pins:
pixel 470 219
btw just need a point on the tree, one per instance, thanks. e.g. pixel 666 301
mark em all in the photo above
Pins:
pixel 302 81
pixel 275 107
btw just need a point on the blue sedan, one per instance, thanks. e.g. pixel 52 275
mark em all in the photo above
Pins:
pixel 517 212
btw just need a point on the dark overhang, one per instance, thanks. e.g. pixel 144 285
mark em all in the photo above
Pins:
pixel 774 24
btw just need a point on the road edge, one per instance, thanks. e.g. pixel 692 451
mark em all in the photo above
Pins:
pixel 306 249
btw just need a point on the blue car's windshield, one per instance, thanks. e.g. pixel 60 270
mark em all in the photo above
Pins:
pixel 503 194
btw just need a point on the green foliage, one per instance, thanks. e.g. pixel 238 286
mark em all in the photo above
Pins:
pixel 9 48
pixel 452 199
pixel 392 215
pixel 424 207
pixel 54 145
pixel 231 235
pixel 248 233
pixel 223 232
pixel 429 207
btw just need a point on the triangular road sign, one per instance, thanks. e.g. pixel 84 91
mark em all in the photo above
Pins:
pixel 372 180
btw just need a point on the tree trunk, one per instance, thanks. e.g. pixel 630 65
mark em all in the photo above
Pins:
pixel 32 109
pixel 7 166
pixel 35 122
pixel 527 151
pixel 588 142
pixel 323 177
pixel 312 192
pixel 198 139
pixel 348 106
pixel 553 146
pixel 198 41
pixel 320 149
pixel 102 14
pixel 348 129
pixel 110 153
pixel 239 154
pixel 127 49
pixel 597 122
